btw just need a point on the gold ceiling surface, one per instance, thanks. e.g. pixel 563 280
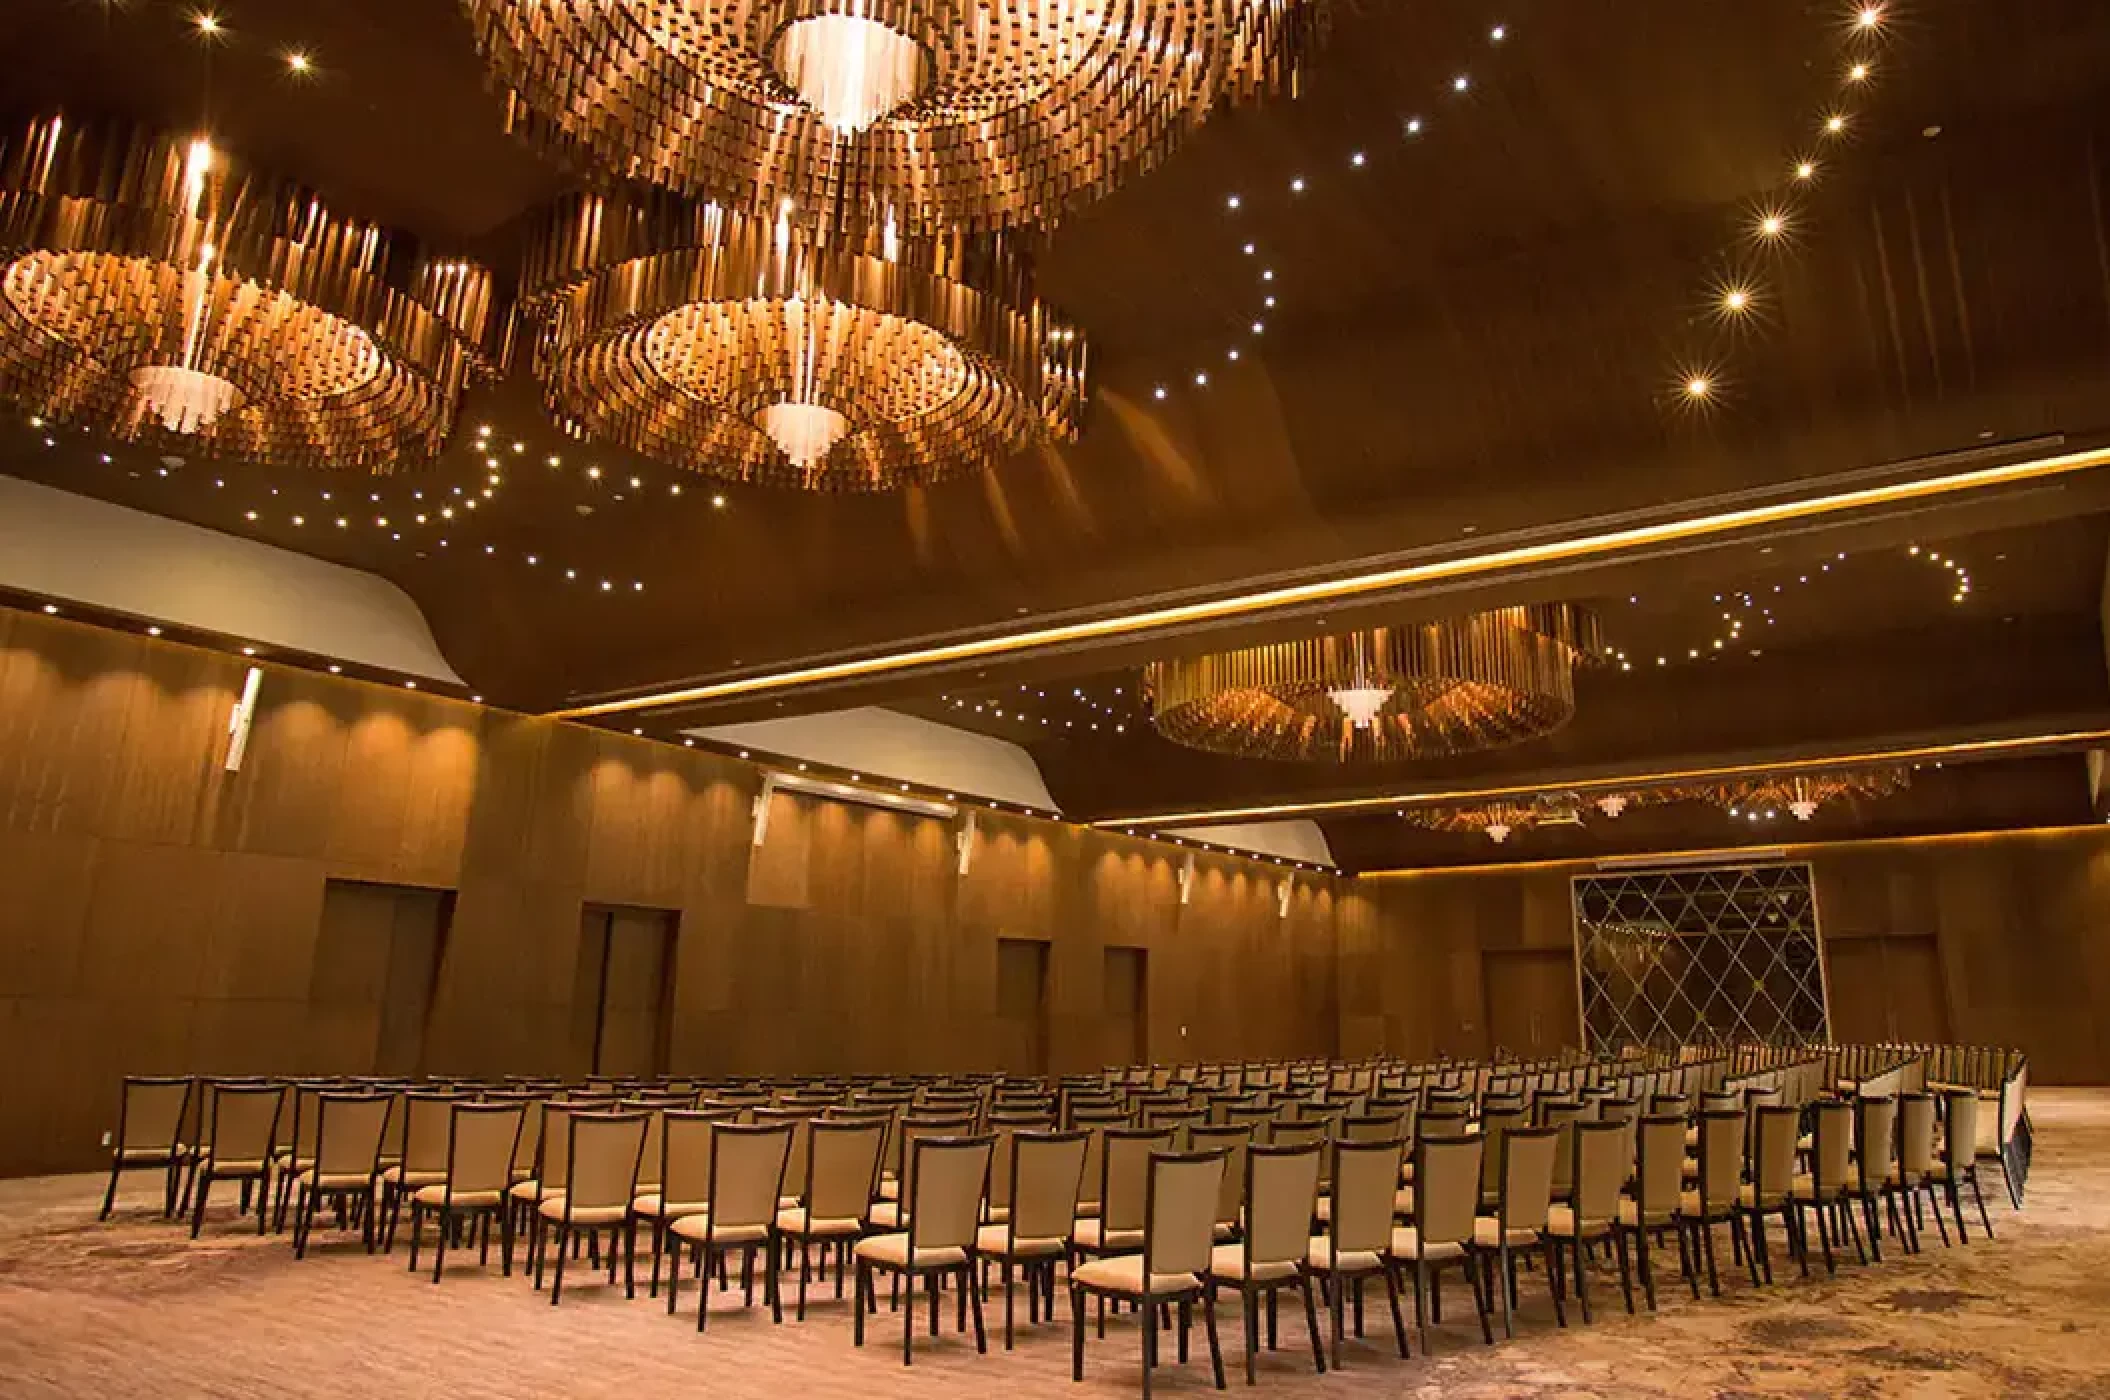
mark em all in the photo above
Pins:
pixel 152 288
pixel 1451 686
pixel 675 329
pixel 991 114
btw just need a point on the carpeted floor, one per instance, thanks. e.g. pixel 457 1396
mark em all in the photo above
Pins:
pixel 134 1308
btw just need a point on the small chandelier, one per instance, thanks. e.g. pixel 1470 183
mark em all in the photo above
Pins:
pixel 1382 695
pixel 1497 821
pixel 153 290
pixel 759 351
pixel 933 114
pixel 1800 795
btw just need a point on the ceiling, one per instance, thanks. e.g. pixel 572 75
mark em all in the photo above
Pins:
pixel 1480 333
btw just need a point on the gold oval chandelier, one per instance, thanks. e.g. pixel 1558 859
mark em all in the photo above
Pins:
pixel 155 291
pixel 931 114
pixel 1382 695
pixel 749 349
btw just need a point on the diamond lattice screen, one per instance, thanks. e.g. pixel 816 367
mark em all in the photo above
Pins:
pixel 1705 955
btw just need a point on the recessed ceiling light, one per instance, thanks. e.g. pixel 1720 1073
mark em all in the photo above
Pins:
pixel 153 631
pixel 336 670
pixel 51 608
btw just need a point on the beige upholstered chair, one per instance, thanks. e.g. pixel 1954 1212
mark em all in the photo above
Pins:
pixel 427 1117
pixel 1179 1208
pixel 1831 1167
pixel 842 1170
pixel 1230 1201
pixel 152 1112
pixel 1589 1209
pixel 1718 1184
pixel 1258 1117
pixel 683 1175
pixel 1494 1122
pixel 1875 1153
pixel 1124 1184
pixel 1958 1163
pixel 240 1126
pixel 745 1188
pixel 1562 1115
pixel 1447 1178
pixel 1363 1182
pixel 1658 1190
pixel 1909 1174
pixel 481 1142
pixel 1280 1190
pixel 946 1178
pixel 602 1153
pixel 1770 1190
pixel 886 1213
pixel 344 1159
pixel 294 1153
pixel 1044 1175
pixel 1523 1210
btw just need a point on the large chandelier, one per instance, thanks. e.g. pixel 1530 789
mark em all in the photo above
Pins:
pixel 155 291
pixel 751 349
pixel 1770 797
pixel 1384 694
pixel 934 114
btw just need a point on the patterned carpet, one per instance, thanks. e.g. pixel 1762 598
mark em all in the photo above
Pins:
pixel 134 1308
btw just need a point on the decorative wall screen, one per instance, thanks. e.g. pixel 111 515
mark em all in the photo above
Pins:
pixel 1702 955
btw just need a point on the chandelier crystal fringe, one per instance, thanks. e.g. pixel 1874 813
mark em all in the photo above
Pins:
pixel 932 114
pixel 154 290
pixel 1799 795
pixel 1383 695
pixel 750 349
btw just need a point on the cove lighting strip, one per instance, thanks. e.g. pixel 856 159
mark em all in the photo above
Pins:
pixel 1575 548
pixel 870 797
pixel 1963 749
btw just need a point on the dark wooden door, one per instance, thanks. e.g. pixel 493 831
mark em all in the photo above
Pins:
pixel 1531 1007
pixel 1887 988
pixel 1022 1005
pixel 1127 1003
pixel 623 1001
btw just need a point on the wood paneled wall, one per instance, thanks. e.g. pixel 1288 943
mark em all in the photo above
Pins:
pixel 158 914
pixel 2020 925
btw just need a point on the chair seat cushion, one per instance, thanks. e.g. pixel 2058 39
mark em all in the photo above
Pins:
pixel 892 1252
pixel 698 1225
pixel 1087 1210
pixel 1223 1230
pixel 1321 1259
pixel 1406 1244
pixel 335 1181
pixel 794 1222
pixel 157 1156
pixel 1123 1274
pixel 1747 1197
pixel 1403 1201
pixel 1092 1235
pixel 1805 1189
pixel 889 1190
pixel 996 1240
pixel 396 1176
pixel 437 1196
pixel 1227 1261
pixel 1630 1214
pixel 888 1215
pixel 527 1191
pixel 584 1215
pixel 996 1215
pixel 1561 1221
pixel 652 1204
pixel 1487 1234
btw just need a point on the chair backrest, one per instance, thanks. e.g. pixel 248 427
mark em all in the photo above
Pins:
pixel 1365 1185
pixel 605 1150
pixel 1599 1170
pixel 1179 1210
pixel 1721 1156
pixel 307 1114
pixel 1300 1133
pixel 1669 1105
pixel 1179 1120
pixel 1562 1115
pixel 1875 1138
pixel 1260 1118
pixel 1960 1146
pixel 1773 1152
pixel 1046 1175
pixel 427 1116
pixel 910 1130
pixel 1493 1124
pixel 1124 1175
pixel 950 1175
pixel 1236 1141
pixel 1375 1127
pixel 1281 1189
pixel 1831 1153
pixel 151 1112
pixel 842 1168
pixel 245 1120
pixel 748 1161
pixel 529 1140
pixel 1618 1110
pixel 482 1142
pixel 348 1133
pixel 1526 1179
pixel 1915 1136
pixel 801 1138
pixel 1659 1173
pixel 1447 1177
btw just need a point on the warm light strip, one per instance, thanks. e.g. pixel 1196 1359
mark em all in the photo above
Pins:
pixel 867 796
pixel 1731 853
pixel 1969 748
pixel 1297 595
